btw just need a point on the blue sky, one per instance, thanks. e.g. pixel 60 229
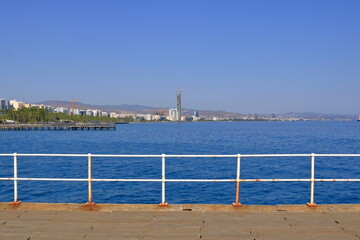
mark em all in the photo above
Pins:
pixel 240 56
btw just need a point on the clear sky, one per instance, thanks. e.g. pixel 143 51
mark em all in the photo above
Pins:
pixel 240 56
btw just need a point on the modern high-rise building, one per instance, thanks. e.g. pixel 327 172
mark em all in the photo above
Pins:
pixel 4 106
pixel 178 105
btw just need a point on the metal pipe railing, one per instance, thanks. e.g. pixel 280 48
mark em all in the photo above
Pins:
pixel 237 191
pixel 312 177
pixel 16 200
pixel 163 179
pixel 90 180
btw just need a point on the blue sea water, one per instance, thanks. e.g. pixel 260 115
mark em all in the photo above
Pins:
pixel 187 138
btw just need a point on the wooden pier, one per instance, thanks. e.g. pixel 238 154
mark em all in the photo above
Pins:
pixel 57 126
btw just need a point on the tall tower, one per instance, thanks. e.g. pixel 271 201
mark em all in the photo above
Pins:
pixel 178 105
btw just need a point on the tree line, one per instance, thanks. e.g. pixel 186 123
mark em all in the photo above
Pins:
pixel 40 115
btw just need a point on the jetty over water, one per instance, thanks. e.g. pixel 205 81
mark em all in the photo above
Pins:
pixel 57 126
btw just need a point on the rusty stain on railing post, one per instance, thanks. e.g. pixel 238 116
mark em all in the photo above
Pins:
pixel 163 203
pixel 237 193
pixel 312 181
pixel 90 200
pixel 16 201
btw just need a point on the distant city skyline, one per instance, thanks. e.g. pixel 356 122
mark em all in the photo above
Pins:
pixel 238 56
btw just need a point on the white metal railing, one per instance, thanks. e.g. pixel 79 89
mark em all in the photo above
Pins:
pixel 163 179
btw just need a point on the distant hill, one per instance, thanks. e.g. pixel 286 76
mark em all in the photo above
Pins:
pixel 143 109
pixel 137 109
pixel 123 108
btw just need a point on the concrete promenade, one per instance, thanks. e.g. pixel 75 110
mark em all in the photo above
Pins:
pixel 32 221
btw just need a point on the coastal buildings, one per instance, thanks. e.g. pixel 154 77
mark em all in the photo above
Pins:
pixel 18 104
pixel 4 105
pixel 14 104
pixel 175 114
pixel 152 114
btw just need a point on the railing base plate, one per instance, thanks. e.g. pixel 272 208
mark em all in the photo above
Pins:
pixel 163 204
pixel 90 204
pixel 312 205
pixel 15 203
pixel 237 204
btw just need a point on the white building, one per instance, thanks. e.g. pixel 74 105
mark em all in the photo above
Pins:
pixel 156 117
pixel 114 115
pixel 89 112
pixel 105 114
pixel 173 114
pixel 61 110
pixel 139 116
pixel 148 117
pixel 96 113
pixel 75 111
pixel 196 116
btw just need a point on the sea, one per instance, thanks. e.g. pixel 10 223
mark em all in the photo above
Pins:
pixel 194 138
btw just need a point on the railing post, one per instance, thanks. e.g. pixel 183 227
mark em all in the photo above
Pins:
pixel 16 199
pixel 237 193
pixel 312 181
pixel 163 203
pixel 90 202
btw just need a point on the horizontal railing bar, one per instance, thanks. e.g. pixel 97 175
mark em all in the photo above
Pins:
pixel 127 180
pixel 337 155
pixel 51 155
pixel 299 180
pixel 275 155
pixel 178 156
pixel 200 180
pixel 47 179
pixel 300 155
pixel 179 180
pixel 124 155
pixel 82 180
pixel 115 156
pixel 337 180
pixel 45 155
